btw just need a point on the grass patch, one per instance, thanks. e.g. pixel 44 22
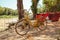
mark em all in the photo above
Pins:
pixel 8 16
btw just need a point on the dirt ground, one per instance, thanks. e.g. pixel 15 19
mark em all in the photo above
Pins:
pixel 51 33
pixel 4 22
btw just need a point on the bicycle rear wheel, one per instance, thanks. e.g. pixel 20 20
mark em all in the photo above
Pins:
pixel 43 27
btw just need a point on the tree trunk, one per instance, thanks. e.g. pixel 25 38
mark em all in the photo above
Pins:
pixel 20 8
pixel 34 7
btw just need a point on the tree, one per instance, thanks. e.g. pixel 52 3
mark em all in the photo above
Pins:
pixel 20 8
pixel 52 5
pixel 7 11
pixel 34 7
pixel 1 10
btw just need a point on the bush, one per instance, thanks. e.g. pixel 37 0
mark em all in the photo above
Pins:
pixel 7 11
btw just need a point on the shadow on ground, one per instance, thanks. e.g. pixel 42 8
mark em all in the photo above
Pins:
pixel 50 32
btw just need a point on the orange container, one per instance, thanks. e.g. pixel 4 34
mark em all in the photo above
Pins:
pixel 41 17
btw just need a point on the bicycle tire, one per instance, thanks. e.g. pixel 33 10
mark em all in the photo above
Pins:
pixel 21 26
pixel 43 27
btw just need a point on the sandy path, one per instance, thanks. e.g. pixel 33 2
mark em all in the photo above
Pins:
pixel 49 34
pixel 3 22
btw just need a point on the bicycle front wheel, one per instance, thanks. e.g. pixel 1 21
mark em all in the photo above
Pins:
pixel 21 29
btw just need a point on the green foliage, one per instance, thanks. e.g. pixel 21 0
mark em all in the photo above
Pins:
pixel 50 2
pixel 1 10
pixel 42 9
pixel 52 5
pixel 10 16
pixel 7 11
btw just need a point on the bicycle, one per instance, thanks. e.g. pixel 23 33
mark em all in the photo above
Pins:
pixel 23 26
